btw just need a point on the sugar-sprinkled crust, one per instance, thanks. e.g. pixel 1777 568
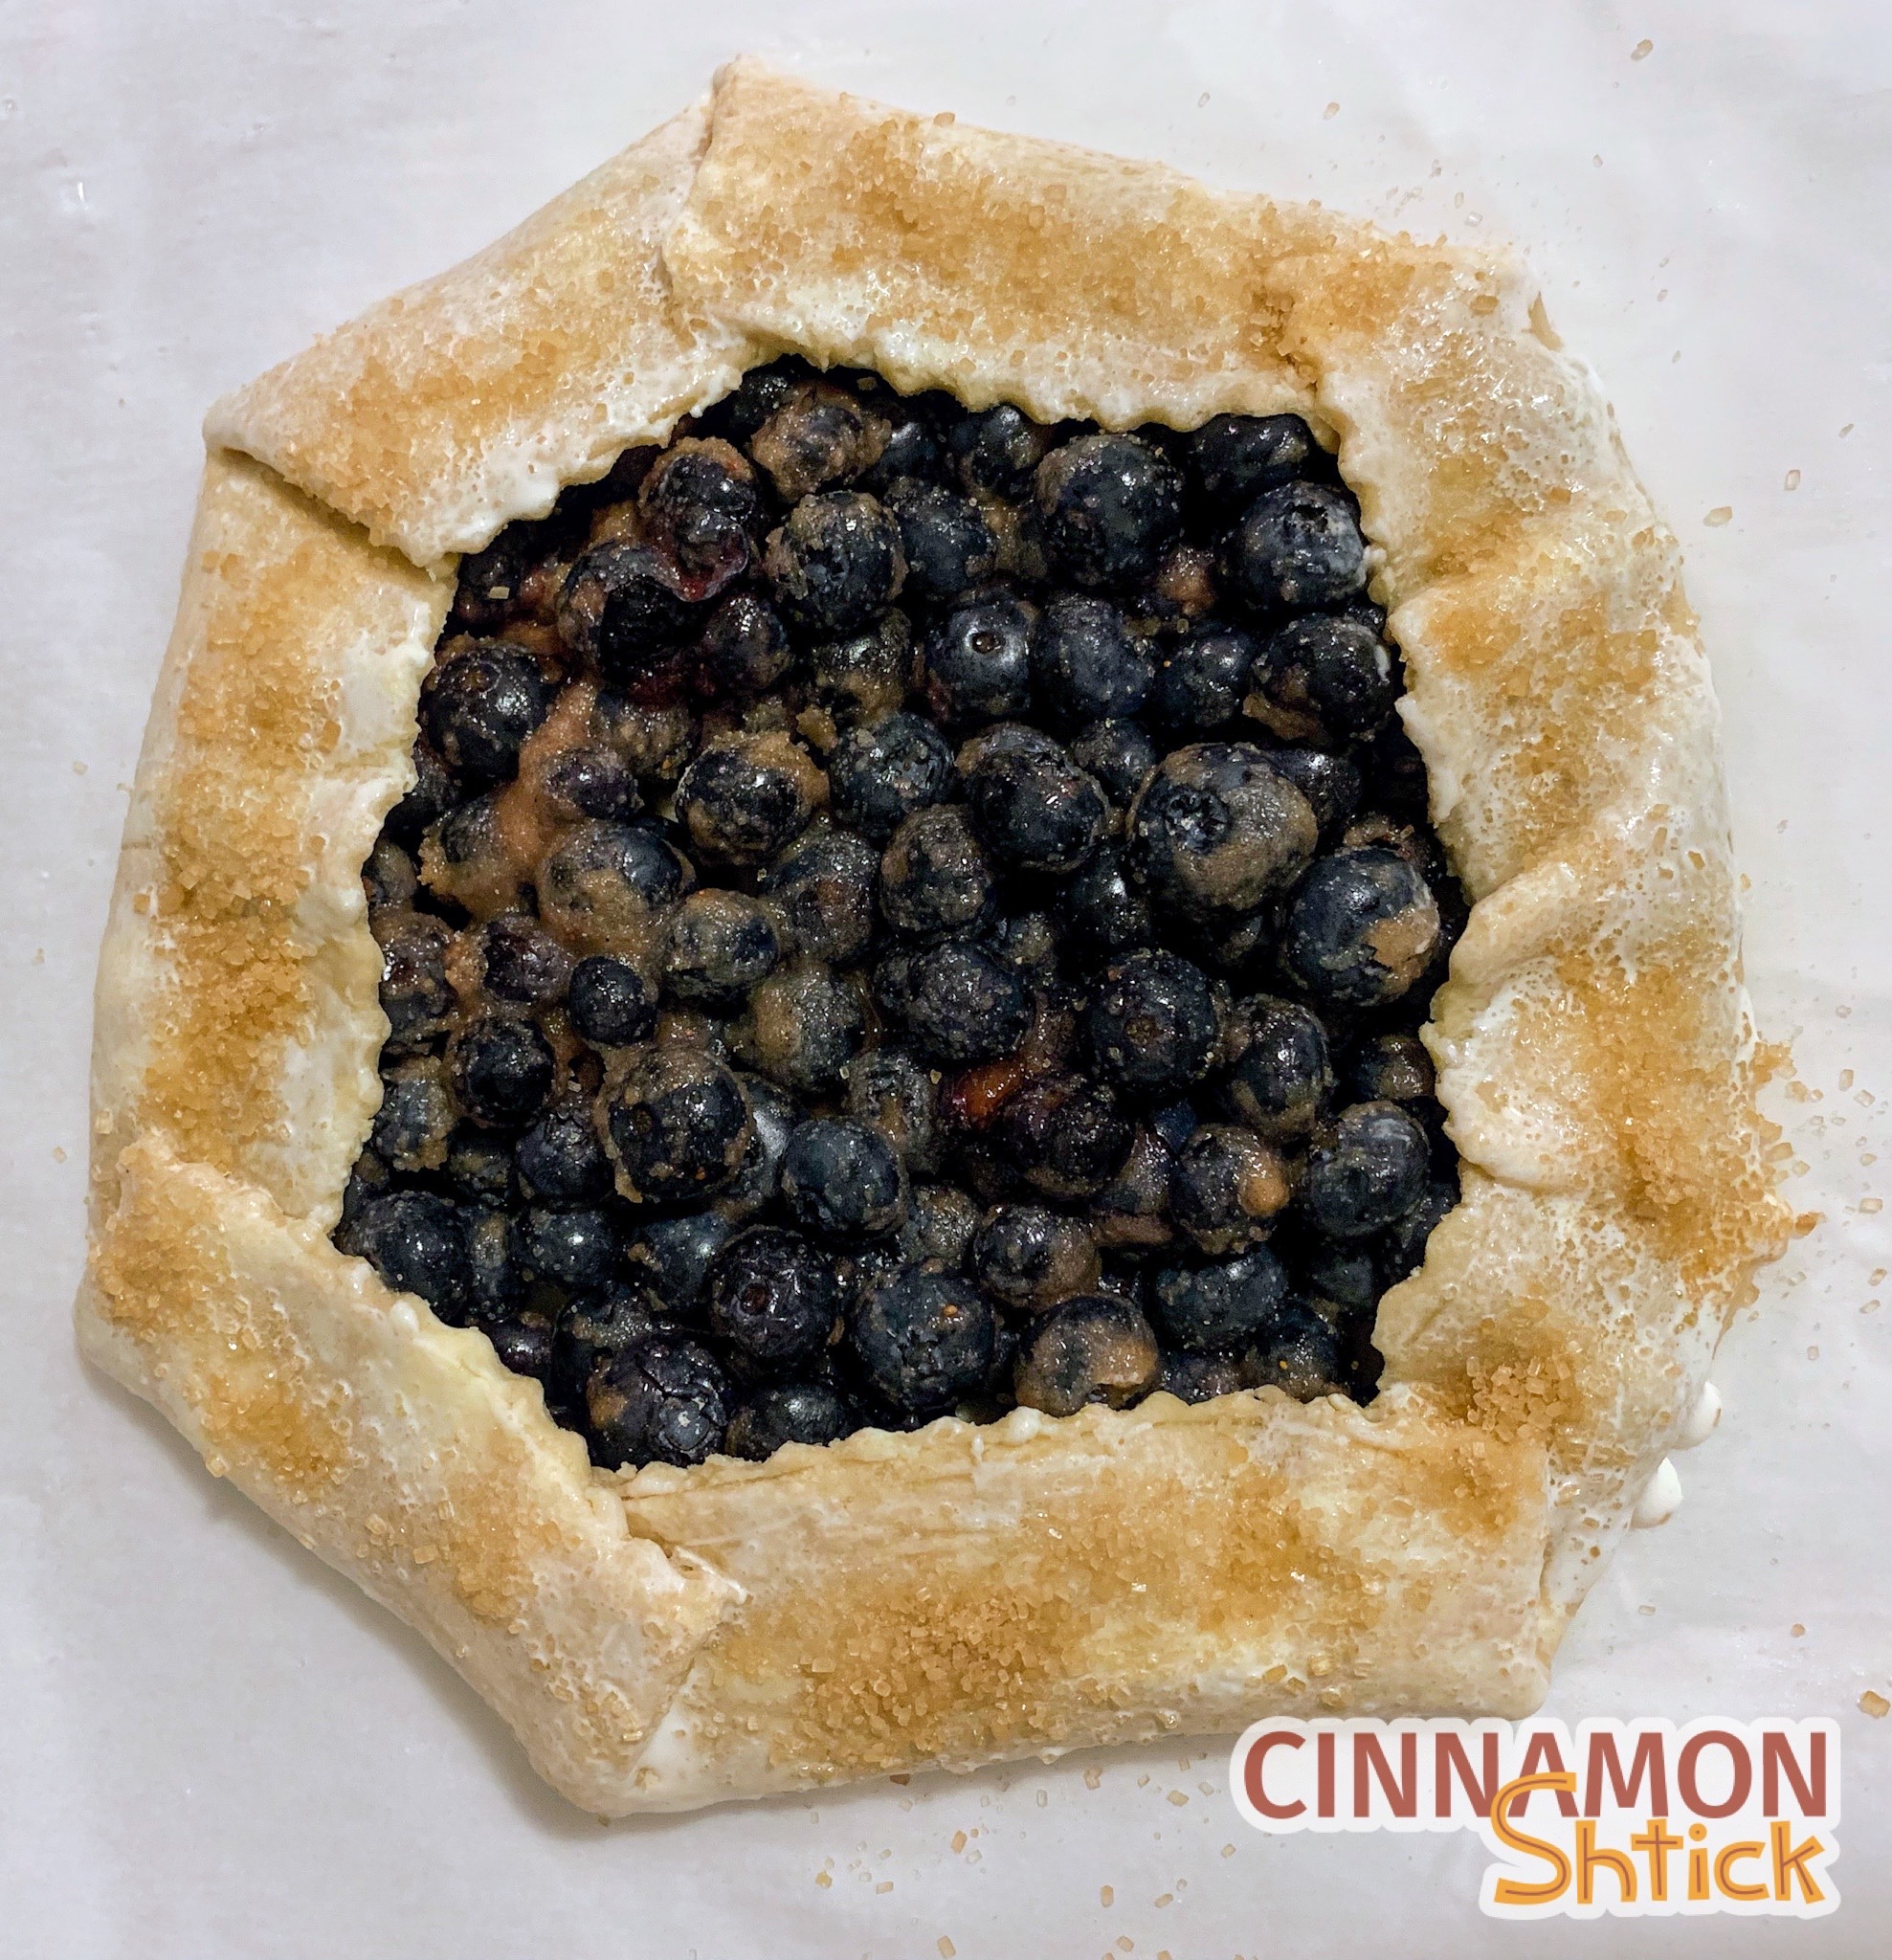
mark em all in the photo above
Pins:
pixel 668 1639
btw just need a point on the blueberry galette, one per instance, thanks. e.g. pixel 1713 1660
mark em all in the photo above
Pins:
pixel 927 953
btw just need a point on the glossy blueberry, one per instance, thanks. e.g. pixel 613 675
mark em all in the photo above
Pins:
pixel 1330 783
pixel 502 1070
pixel 577 1248
pixel 1365 1169
pixel 738 416
pixel 1300 1353
pixel 1362 929
pixel 1226 1188
pixel 524 1341
pixel 1130 1215
pixel 417 1243
pixel 1203 683
pixel 934 877
pixel 802 1028
pixel 773 1297
pixel 657 1400
pixel 880 774
pixel 1215 831
pixel 1391 1068
pixel 976 663
pixel 1233 459
pixel 626 607
pixel 606 882
pixel 656 738
pixel 949 546
pixel 1343 1272
pixel 673 1256
pixel 416 1115
pixel 790 1412
pixel 821 434
pixel 841 1181
pixel 1298 546
pixel 1029 1258
pixel 773 1118
pixel 1175 1123
pixel 837 563
pixel 523 963
pixel 940 1223
pixel 496 1285
pixel 590 1328
pixel 1334 672
pixel 922 1338
pixel 1103 913
pixel 1403 1245
pixel 1095 1348
pixel 560 1160
pixel 892 1090
pixel 478 706
pixel 1066 1135
pixel 747 797
pixel 1031 807
pixel 913 441
pixel 1111 506
pixel 700 501
pixel 1151 1024
pixel 998 449
pixel 677 1124
pixel 1028 943
pixel 744 649
pixel 479 1166
pixel 1119 756
pixel 590 782
pixel 1086 663
pixel 964 1006
pixel 608 1003
pixel 823 892
pixel 1280 1072
pixel 1199 1377
pixel 487 591
pixel 718 945
pixel 1223 1305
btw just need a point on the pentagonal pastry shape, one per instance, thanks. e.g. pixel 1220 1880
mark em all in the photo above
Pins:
pixel 670 1636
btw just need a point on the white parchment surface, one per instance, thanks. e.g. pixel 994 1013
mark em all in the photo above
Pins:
pixel 209 1745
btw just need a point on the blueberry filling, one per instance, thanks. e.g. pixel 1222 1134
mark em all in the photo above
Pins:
pixel 904 912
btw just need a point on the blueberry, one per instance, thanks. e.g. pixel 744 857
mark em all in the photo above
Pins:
pixel 1280 1075
pixel 523 963
pixel 939 1224
pixel 1094 1348
pixel 821 435
pixel 589 1329
pixel 486 592
pixel 673 1256
pixel 1330 783
pixel 654 738
pixel 502 1070
pixel 1331 678
pixel 1299 1353
pixel 737 416
pixel 479 1166
pixel 823 890
pixel 700 501
pixel 560 1160
pixel 1111 506
pixel 578 783
pixel 716 947
pixel 1343 1272
pixel 1218 1306
pixel 1203 683
pixel 1365 1169
pixel 1216 831
pixel 1298 546
pixel 1391 1068
pixel 625 607
pixel 677 1125
pixel 1119 756
pixel 913 444
pixel 773 1297
pixel 934 877
pixel 1028 943
pixel 1130 1215
pixel 773 1120
pixel 790 1412
pixel 1403 1245
pixel 608 1003
pixel 389 878
pixel 1064 1134
pixel 431 796
pixel 841 1181
pixel 923 1338
pixel 658 1400
pixel 1228 1188
pixel 1199 1377
pixel 976 663
pixel 496 1285
pixel 1032 807
pixel 1362 927
pixel 523 1342
pixel 1029 1258
pixel 880 774
pixel 467 858
pixel 963 1005
pixel 606 882
pixel 1085 662
pixel 1103 913
pixel 837 564
pixel 801 1030
pixel 1151 1024
pixel 744 649
pixel 417 1243
pixel 478 704
pixel 1175 1123
pixel 580 1248
pixel 416 1115
pixel 1233 459
pixel 998 449
pixel 892 1091
pixel 859 680
pixel 749 796
pixel 949 546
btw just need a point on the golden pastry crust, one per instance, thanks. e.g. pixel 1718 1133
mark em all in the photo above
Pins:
pixel 669 1639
